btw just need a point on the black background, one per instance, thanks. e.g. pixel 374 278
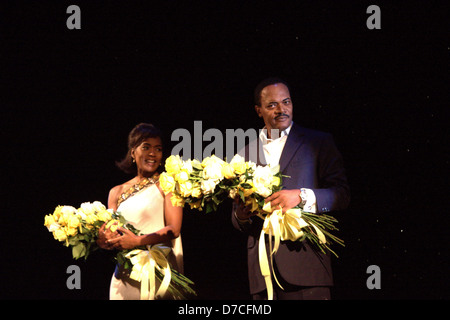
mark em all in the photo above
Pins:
pixel 70 97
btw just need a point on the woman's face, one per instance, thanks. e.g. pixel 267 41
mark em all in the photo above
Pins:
pixel 148 156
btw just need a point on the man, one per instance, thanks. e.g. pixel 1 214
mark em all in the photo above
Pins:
pixel 316 181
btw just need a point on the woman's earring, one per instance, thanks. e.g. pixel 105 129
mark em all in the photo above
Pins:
pixel 134 160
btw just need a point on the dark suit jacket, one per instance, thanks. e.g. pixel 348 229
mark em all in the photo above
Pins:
pixel 312 161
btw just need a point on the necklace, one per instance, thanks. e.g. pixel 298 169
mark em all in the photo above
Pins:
pixel 144 183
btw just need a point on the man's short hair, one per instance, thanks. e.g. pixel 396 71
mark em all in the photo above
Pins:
pixel 267 82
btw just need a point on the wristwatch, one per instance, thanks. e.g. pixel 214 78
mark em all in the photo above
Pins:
pixel 303 196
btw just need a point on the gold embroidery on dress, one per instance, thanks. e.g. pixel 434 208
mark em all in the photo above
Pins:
pixel 137 187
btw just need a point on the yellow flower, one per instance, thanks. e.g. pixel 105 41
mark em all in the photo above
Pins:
pixel 177 201
pixel 196 204
pixel 91 218
pixel 49 220
pixel 211 160
pixel 87 208
pixel 212 168
pixel 166 182
pixel 89 226
pixel 113 225
pixel 228 171
pixel 208 186
pixel 104 215
pixel 185 189
pixel 57 213
pixel 196 191
pixel 173 165
pixel 73 222
pixel 276 181
pixel 71 231
pixel 232 193
pixel 250 165
pixel 60 235
pixel 98 206
pixel 238 164
pixel 66 212
pixel 263 190
pixel 182 176
pixel 262 179
pixel 63 218
pixel 196 164
pixel 249 191
pixel 187 166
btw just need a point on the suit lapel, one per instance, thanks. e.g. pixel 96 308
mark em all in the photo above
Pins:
pixel 293 142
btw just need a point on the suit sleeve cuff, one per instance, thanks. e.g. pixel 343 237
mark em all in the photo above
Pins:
pixel 308 200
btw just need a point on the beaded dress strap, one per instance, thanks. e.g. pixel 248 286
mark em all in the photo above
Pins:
pixel 137 187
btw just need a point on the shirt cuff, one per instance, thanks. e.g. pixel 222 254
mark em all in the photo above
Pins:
pixel 308 200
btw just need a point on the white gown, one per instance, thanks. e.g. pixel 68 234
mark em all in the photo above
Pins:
pixel 145 211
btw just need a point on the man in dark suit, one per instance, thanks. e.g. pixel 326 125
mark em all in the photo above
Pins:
pixel 316 181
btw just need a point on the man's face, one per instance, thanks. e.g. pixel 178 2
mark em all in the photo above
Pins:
pixel 276 107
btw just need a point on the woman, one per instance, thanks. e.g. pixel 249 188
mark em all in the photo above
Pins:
pixel 144 205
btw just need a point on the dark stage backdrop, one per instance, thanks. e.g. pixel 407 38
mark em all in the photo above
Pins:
pixel 70 97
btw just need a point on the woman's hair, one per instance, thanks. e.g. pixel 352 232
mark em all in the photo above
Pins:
pixel 138 134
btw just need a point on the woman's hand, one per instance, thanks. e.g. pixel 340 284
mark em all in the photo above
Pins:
pixel 127 240
pixel 105 234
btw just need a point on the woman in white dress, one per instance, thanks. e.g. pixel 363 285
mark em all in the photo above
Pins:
pixel 144 205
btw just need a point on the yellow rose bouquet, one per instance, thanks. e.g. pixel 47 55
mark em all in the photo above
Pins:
pixel 78 229
pixel 202 185
pixel 195 183
pixel 205 185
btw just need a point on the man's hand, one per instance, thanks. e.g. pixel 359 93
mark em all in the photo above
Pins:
pixel 287 199
pixel 242 211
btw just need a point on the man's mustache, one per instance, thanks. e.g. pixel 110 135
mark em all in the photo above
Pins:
pixel 281 115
